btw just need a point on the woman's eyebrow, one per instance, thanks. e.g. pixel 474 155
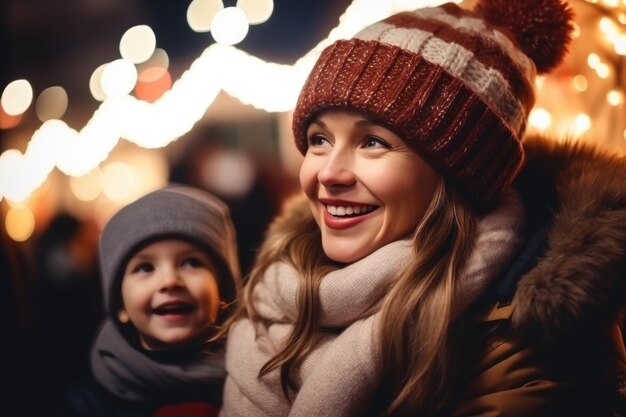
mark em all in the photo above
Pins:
pixel 358 123
pixel 318 122
pixel 365 122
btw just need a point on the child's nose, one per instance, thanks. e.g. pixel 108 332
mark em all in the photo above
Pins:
pixel 170 278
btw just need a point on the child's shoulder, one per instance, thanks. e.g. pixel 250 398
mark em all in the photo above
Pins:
pixel 85 397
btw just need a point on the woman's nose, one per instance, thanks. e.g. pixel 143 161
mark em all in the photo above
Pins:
pixel 337 169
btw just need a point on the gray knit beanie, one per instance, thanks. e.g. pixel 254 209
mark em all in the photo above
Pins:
pixel 176 211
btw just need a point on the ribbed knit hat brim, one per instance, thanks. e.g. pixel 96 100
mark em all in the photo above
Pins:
pixel 438 115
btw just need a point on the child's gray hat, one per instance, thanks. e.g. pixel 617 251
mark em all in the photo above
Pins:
pixel 176 211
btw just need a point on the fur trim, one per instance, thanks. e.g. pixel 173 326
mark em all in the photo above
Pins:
pixel 580 281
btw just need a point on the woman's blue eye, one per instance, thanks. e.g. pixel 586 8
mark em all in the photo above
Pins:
pixel 317 140
pixel 375 142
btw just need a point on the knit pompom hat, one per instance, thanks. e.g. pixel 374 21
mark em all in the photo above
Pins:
pixel 456 85
pixel 176 211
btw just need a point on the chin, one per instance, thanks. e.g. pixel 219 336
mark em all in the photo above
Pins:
pixel 342 255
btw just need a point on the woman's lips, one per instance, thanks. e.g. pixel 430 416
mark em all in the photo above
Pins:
pixel 346 215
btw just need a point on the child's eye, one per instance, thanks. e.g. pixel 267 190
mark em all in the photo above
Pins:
pixel 144 267
pixel 192 262
pixel 375 142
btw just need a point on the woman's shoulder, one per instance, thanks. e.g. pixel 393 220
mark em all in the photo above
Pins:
pixel 511 376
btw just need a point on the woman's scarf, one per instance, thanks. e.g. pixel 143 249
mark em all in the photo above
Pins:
pixel 129 373
pixel 339 376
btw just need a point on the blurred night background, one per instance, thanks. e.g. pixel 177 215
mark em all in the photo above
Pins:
pixel 73 151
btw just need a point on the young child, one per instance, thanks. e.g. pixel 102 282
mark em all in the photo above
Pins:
pixel 170 273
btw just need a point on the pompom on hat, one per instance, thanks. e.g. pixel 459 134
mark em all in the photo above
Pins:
pixel 457 85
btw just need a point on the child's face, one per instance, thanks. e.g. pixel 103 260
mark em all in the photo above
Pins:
pixel 170 293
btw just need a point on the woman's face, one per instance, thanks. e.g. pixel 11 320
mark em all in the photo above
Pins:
pixel 170 294
pixel 366 188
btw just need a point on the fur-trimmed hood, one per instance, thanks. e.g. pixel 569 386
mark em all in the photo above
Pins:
pixel 579 283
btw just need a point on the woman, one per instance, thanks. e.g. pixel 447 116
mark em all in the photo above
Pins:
pixel 392 290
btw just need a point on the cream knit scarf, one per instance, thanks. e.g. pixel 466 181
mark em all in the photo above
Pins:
pixel 341 374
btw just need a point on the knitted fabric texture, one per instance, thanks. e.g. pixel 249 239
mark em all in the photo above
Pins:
pixel 340 373
pixel 456 87
pixel 176 211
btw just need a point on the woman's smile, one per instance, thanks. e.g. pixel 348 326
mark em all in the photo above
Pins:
pixel 342 215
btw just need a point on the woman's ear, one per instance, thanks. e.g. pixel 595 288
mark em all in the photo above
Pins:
pixel 122 316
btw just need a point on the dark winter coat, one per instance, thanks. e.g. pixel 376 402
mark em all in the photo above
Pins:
pixel 89 398
pixel 548 342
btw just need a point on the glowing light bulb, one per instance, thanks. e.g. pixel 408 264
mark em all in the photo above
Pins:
pixel 200 13
pixel 119 78
pixel 137 44
pixel 258 11
pixel 229 26
pixel 540 118
pixel 580 83
pixel 17 97
pixel 615 97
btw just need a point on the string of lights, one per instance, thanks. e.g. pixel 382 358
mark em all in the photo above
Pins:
pixel 139 101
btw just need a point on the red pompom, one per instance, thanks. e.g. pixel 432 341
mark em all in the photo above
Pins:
pixel 542 28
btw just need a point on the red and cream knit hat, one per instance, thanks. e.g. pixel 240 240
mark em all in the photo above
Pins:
pixel 457 85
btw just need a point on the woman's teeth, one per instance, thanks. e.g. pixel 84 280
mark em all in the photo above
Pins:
pixel 349 210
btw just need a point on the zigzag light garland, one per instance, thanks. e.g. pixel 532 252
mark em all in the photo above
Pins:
pixel 76 153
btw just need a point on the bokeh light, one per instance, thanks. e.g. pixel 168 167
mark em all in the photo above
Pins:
pixel 118 181
pixel 158 59
pixel 95 83
pixel 540 119
pixel 13 176
pixel 138 44
pixel 19 223
pixel 119 78
pixel 229 174
pixel 200 13
pixel 17 97
pixel 582 123
pixel 51 103
pixel 87 187
pixel 580 83
pixel 258 11
pixel 152 83
pixel 615 97
pixel 229 26
pixel 8 121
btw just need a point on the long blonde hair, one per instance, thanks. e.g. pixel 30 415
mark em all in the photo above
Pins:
pixel 417 314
